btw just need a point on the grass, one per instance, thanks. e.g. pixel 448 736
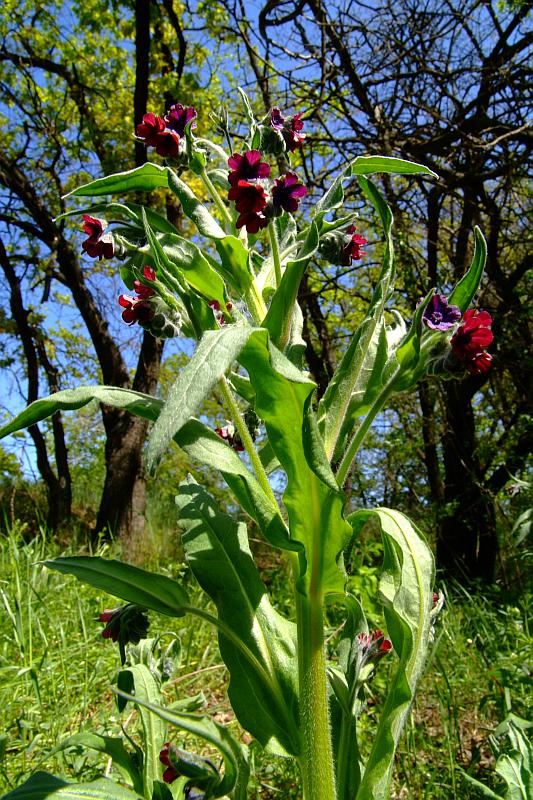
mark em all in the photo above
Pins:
pixel 56 672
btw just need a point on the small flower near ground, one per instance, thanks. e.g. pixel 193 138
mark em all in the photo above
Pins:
pixel 439 315
pixel 470 340
pixel 171 773
pixel 247 167
pixel 286 193
pixel 98 244
pixel 124 624
pixel 373 646
pixel 178 117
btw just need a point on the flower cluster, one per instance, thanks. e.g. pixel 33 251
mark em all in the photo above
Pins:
pixel 471 339
pixel 124 624
pixel 255 198
pixel 98 244
pixel 219 315
pixel 373 646
pixel 138 309
pixel 165 133
pixel 171 773
pixel 200 771
pixel 290 129
pixel 341 247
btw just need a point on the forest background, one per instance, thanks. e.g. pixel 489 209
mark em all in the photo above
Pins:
pixel 446 84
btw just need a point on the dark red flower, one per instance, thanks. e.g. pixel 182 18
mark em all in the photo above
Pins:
pixel 144 292
pixel 170 774
pixel 470 340
pixel 373 646
pixel 277 120
pixel 438 315
pixel 479 364
pixel 250 200
pixel 150 129
pixel 98 244
pixel 135 309
pixel 352 249
pixel 286 193
pixel 291 133
pixel 168 144
pixel 178 117
pixel 247 167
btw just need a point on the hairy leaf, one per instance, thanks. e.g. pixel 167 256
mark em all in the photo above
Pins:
pixel 141 179
pixel 464 292
pixel 42 785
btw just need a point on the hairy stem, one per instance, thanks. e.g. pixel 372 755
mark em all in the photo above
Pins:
pixel 274 246
pixel 211 188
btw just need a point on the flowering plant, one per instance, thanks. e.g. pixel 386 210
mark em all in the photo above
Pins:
pixel 238 301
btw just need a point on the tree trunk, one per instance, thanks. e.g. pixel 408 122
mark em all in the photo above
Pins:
pixel 467 544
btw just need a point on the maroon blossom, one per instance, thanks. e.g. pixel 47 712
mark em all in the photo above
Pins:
pixel 290 128
pixel 98 244
pixel 124 624
pixel 250 201
pixel 352 249
pixel 144 292
pixel 247 167
pixel 150 129
pixel 438 315
pixel 135 309
pixel 171 773
pixel 277 120
pixel 373 646
pixel 168 144
pixel 286 193
pixel 470 340
pixel 178 117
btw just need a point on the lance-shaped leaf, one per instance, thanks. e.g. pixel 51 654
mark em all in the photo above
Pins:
pixel 235 755
pixel 194 209
pixel 464 292
pixel 213 357
pixel 406 593
pixel 280 313
pixel 135 585
pixel 234 263
pixel 216 548
pixel 42 785
pixel 312 499
pixel 195 438
pixel 365 165
pixel 141 179
pixel 364 360
pixel 132 211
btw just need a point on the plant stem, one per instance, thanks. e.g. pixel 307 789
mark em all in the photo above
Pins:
pixel 255 303
pixel 246 439
pixel 211 188
pixel 316 760
pixel 359 435
pixel 274 246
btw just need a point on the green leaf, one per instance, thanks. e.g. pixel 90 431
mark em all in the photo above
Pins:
pixel 141 179
pixel 194 209
pixel 113 747
pixel 366 165
pixel 135 585
pixel 147 690
pixel 280 314
pixel 235 755
pixel 216 548
pixel 235 263
pixel 214 356
pixel 465 291
pixel 130 210
pixel 198 441
pixel 406 593
pixel 360 364
pixel 42 785
pixel 313 501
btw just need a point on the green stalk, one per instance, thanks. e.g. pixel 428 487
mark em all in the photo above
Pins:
pixel 316 760
pixel 359 435
pixel 211 188
pixel 274 246
pixel 255 303
pixel 246 439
